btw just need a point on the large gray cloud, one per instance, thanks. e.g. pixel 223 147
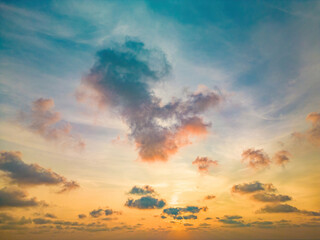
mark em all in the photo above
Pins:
pixel 122 79
pixel 233 221
pixel 31 174
pixel 146 202
pixel 17 198
pixel 43 120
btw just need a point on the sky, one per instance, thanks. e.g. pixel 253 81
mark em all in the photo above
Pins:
pixel 159 120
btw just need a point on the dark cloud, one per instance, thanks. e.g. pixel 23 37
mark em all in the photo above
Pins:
pixel 50 215
pixel 281 157
pixel 187 217
pixel 145 190
pixel 233 221
pixel 96 213
pixel 4 217
pixel 81 216
pixel 204 163
pixel 146 202
pixel 255 158
pixel 209 197
pixel 313 134
pixel 252 187
pixel 285 208
pixel 122 79
pixel 179 213
pixel 43 120
pixel 17 198
pixel 31 174
pixel 270 197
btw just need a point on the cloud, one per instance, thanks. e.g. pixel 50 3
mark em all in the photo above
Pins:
pixel 256 158
pixel 146 202
pixel 281 157
pixel 50 215
pixel 43 120
pixel 81 216
pixel 17 198
pixel 313 134
pixel 270 197
pixel 285 208
pixel 204 163
pixel 233 221
pixel 145 190
pixel 96 213
pixel 179 213
pixel 187 217
pixel 252 187
pixel 209 197
pixel 22 173
pixel 122 79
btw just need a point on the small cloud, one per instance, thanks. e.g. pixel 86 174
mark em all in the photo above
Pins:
pixel 285 208
pixel 204 163
pixel 313 134
pixel 22 173
pixel 209 197
pixel 233 221
pixel 281 158
pixel 82 216
pixel 43 120
pixel 270 197
pixel 145 190
pixel 252 187
pixel 50 215
pixel 179 213
pixel 256 158
pixel 146 202
pixel 96 213
pixel 17 198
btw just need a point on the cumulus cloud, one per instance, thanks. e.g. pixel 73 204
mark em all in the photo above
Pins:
pixel 270 197
pixel 82 216
pixel 285 208
pixel 22 173
pixel 17 198
pixel 209 197
pixel 233 221
pixel 43 120
pixel 281 157
pixel 96 213
pixel 313 134
pixel 145 190
pixel 50 215
pixel 204 163
pixel 255 158
pixel 146 202
pixel 186 213
pixel 252 187
pixel 122 79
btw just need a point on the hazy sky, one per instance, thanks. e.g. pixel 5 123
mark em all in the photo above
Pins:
pixel 159 120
